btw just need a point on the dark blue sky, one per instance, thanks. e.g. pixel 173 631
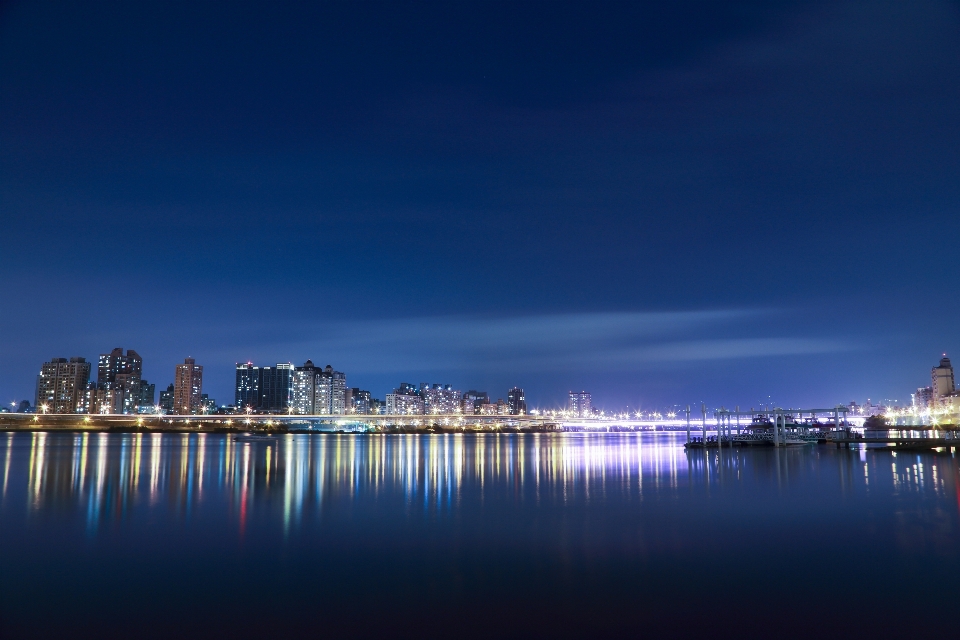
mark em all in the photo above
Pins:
pixel 659 202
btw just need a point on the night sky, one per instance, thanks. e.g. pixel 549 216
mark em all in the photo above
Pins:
pixel 662 203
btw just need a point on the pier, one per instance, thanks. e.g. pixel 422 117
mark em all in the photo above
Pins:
pixel 797 427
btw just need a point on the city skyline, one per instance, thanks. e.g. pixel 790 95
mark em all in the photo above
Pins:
pixel 285 388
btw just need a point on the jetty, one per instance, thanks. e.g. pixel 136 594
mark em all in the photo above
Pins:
pixel 800 427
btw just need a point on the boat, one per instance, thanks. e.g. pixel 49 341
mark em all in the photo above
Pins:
pixel 256 437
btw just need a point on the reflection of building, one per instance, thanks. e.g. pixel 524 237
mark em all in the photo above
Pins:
pixel 439 398
pixel 61 384
pixel 579 404
pixel 941 380
pixel 404 401
pixel 187 387
pixel 517 402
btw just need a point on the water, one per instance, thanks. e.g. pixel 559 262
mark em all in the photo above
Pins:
pixel 476 535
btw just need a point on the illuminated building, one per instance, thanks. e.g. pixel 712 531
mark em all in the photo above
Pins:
pixel 579 403
pixel 439 398
pixel 304 387
pixel 517 402
pixel 247 390
pixel 120 387
pixel 166 400
pixel 208 405
pixel 923 398
pixel 473 402
pixel 941 380
pixel 116 363
pixel 276 390
pixel 148 392
pixel 61 384
pixel 358 401
pixel 330 396
pixel 405 400
pixel 187 387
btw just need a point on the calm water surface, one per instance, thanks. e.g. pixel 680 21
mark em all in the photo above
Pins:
pixel 470 535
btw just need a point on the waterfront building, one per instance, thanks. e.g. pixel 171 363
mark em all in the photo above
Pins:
pixel 303 388
pixel 166 400
pixel 276 387
pixel 377 406
pixel 405 400
pixel 331 392
pixel 148 392
pixel 61 384
pixel 187 387
pixel 359 401
pixel 247 389
pixel 473 402
pixel 117 363
pixel 440 398
pixel 208 405
pixel 517 402
pixel 923 398
pixel 120 385
pixel 579 404
pixel 941 380
pixel 101 398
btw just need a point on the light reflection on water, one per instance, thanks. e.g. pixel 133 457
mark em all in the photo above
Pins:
pixel 529 529
pixel 104 475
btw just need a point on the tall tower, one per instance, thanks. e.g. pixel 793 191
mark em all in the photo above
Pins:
pixel 187 387
pixel 248 386
pixel 61 384
pixel 119 383
pixel 941 379
pixel 517 401
pixel 580 403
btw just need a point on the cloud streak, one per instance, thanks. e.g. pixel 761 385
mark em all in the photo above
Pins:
pixel 599 341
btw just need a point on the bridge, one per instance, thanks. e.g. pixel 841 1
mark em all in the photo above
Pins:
pixel 343 422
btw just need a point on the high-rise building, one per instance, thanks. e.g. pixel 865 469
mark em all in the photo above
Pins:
pixel 580 404
pixel 105 397
pixel 330 395
pixel 304 387
pixel 148 392
pixel 440 398
pixel 276 390
pixel 120 384
pixel 941 380
pixel 116 362
pixel 187 387
pixel 517 402
pixel 61 384
pixel 473 402
pixel 358 401
pixel 248 387
pixel 405 400
pixel 208 405
pixel 166 400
